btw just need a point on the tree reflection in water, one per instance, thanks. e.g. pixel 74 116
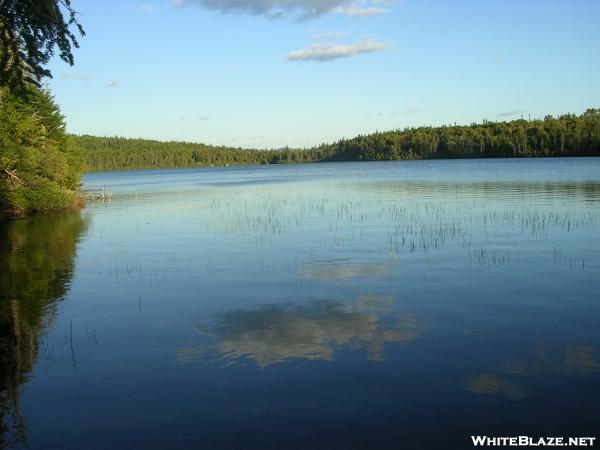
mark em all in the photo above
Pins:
pixel 36 266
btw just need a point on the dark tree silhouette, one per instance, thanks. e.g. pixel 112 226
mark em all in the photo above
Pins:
pixel 30 33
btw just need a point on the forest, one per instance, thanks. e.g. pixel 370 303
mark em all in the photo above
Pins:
pixel 39 168
pixel 566 135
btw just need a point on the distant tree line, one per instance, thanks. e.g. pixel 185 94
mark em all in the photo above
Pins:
pixel 566 135
pixel 113 153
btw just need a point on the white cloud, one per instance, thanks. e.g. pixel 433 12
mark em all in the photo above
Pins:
pixel 329 36
pixel 112 84
pixel 304 9
pixel 146 8
pixel 355 11
pixel 327 52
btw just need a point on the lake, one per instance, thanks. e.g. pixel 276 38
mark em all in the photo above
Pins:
pixel 324 306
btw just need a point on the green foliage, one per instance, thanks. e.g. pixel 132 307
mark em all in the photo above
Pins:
pixel 113 153
pixel 567 135
pixel 40 169
pixel 30 30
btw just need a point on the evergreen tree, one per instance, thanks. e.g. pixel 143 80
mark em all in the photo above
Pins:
pixel 30 33
pixel 40 169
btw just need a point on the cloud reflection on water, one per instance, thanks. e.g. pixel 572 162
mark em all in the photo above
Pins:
pixel 515 377
pixel 312 331
pixel 343 271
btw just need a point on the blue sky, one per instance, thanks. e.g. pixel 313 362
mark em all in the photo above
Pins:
pixel 270 73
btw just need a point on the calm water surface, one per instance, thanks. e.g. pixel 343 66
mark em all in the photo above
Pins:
pixel 327 306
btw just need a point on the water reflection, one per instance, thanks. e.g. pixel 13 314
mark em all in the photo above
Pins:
pixel 583 358
pixel 543 191
pixel 495 385
pixel 205 295
pixel 333 271
pixel 311 331
pixel 511 379
pixel 488 221
pixel 36 266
